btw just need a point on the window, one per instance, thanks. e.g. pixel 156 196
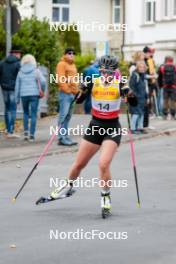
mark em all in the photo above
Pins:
pixel 116 11
pixel 60 11
pixel 150 11
pixel 56 13
pixel 174 8
pixel 60 1
pixel 166 8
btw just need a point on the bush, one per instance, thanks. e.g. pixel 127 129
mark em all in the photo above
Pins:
pixel 35 38
pixel 2 35
pixel 47 46
pixel 70 39
pixel 124 67
pixel 83 61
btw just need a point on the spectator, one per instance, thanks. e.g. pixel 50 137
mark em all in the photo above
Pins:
pixel 9 68
pixel 138 56
pixel 167 80
pixel 29 85
pixel 89 74
pixel 138 85
pixel 152 85
pixel 66 70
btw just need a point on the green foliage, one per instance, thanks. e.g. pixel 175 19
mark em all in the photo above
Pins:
pixel 53 99
pixel 2 35
pixel 83 61
pixel 35 38
pixel 124 67
pixel 3 2
pixel 71 38
pixel 47 46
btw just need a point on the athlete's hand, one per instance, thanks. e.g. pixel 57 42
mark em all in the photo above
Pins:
pixel 125 90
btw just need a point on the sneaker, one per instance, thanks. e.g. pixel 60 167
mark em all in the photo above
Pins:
pixel 135 132
pixel 26 137
pixel 63 191
pixel 142 131
pixel 12 135
pixel 66 142
pixel 151 128
pixel 31 139
pixel 72 142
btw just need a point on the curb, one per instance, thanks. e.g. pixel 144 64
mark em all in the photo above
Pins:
pixel 167 132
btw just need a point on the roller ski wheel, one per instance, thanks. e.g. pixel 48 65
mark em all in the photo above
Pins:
pixel 105 213
pixel 42 200
pixel 105 205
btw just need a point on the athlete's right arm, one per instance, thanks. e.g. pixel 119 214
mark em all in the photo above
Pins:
pixel 85 90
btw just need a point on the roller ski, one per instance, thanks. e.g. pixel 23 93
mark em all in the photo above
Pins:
pixel 105 205
pixel 59 193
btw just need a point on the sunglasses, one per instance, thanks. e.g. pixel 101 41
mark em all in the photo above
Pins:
pixel 71 53
pixel 104 71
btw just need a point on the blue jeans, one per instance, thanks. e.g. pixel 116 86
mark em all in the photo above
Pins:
pixel 65 112
pixel 10 110
pixel 30 108
pixel 137 122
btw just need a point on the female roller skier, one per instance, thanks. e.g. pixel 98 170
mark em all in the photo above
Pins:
pixel 106 100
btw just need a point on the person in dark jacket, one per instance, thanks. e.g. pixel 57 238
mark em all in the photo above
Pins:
pixel 138 85
pixel 9 68
pixel 167 82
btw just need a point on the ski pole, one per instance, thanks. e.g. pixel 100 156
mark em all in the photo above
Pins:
pixel 45 151
pixel 133 157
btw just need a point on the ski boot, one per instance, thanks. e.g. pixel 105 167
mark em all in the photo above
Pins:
pixel 59 193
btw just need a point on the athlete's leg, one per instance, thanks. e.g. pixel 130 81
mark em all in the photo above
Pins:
pixel 85 153
pixel 109 148
pixel 108 151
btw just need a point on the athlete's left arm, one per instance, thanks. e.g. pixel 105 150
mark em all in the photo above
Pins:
pixel 127 93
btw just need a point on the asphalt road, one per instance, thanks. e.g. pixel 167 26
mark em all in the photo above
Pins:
pixel 25 228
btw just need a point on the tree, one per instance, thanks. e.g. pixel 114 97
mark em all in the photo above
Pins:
pixel 2 36
pixel 3 2
pixel 35 38
pixel 71 38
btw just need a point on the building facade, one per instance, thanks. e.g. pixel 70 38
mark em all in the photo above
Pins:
pixel 97 15
pixel 149 22
pixel 152 23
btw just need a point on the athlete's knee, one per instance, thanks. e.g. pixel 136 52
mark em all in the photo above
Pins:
pixel 104 165
pixel 79 165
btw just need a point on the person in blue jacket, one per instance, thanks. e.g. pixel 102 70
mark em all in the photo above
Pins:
pixel 138 84
pixel 29 85
pixel 89 74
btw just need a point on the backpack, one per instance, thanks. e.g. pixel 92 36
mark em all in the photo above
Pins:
pixel 169 74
